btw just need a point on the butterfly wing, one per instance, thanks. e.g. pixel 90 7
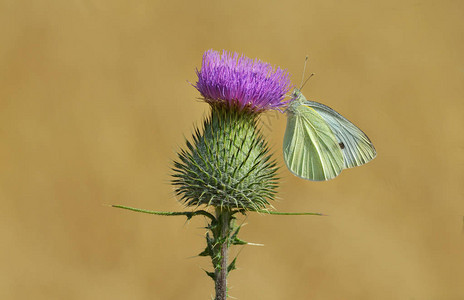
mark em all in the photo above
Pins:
pixel 357 148
pixel 311 150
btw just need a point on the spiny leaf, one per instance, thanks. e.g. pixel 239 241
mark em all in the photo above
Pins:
pixel 211 274
pixel 232 265
pixel 237 241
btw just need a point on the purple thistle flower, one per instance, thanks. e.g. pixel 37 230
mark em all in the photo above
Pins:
pixel 240 81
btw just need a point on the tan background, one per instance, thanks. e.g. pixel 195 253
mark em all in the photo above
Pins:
pixel 95 103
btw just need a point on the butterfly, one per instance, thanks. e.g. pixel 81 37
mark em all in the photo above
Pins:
pixel 319 142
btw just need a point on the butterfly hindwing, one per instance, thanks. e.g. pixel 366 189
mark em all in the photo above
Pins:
pixel 311 150
pixel 357 148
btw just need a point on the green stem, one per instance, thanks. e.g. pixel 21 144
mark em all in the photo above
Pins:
pixel 224 235
pixel 221 251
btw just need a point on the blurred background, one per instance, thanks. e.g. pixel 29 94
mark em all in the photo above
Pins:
pixel 95 101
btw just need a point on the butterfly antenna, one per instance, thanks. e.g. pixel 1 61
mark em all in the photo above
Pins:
pixel 304 70
pixel 312 74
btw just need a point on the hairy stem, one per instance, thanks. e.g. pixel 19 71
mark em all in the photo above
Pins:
pixel 223 232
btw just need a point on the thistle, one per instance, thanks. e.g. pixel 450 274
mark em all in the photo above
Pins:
pixel 228 164
pixel 226 168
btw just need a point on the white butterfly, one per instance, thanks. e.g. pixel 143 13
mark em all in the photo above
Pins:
pixel 319 142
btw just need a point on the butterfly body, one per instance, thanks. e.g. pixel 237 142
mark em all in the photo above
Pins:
pixel 319 142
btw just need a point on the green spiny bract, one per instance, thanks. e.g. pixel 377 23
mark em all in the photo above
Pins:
pixel 228 164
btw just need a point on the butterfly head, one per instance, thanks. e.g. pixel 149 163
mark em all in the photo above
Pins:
pixel 297 95
pixel 297 99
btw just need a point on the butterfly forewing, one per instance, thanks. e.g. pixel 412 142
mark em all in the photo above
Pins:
pixel 311 150
pixel 358 149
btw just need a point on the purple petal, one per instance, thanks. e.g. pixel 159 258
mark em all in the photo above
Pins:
pixel 239 80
